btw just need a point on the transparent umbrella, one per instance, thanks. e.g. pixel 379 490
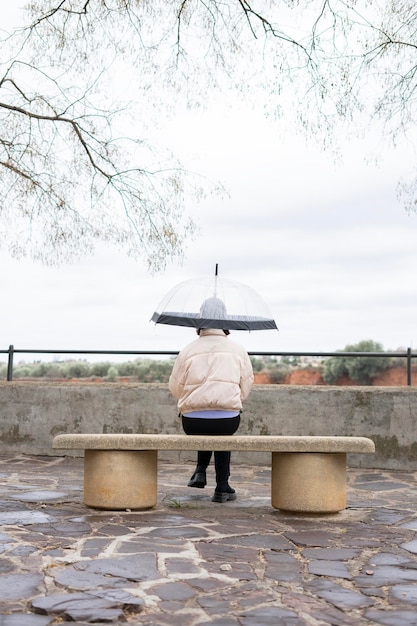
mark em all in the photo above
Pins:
pixel 214 302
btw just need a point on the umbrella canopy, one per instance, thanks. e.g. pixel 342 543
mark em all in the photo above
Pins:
pixel 214 302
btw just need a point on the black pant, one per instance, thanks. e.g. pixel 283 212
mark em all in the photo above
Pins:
pixel 216 426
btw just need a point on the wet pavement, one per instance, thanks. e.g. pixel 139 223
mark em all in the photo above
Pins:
pixel 190 561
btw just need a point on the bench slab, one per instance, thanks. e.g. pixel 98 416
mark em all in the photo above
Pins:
pixel 249 443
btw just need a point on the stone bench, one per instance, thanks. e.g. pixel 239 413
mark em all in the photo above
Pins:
pixel 308 473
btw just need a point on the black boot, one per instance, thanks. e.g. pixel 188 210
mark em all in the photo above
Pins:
pixel 223 491
pixel 198 479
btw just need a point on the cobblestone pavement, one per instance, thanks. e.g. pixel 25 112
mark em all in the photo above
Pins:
pixel 192 562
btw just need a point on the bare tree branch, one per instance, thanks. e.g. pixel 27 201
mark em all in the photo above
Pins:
pixel 75 167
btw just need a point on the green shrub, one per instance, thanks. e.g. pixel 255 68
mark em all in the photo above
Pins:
pixel 78 369
pixel 22 371
pixel 99 369
pixel 127 369
pixel 150 371
pixel 277 374
pixel 112 373
pixel 360 369
pixel 258 364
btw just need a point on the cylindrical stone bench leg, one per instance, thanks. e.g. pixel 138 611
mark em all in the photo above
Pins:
pixel 120 479
pixel 308 482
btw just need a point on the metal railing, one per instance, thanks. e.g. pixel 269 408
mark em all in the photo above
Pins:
pixel 11 351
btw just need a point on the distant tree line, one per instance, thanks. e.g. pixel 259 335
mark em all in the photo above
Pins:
pixel 360 369
pixel 141 370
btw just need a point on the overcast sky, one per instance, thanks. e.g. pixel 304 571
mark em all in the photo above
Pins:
pixel 329 247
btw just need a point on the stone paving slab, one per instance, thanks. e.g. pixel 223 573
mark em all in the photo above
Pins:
pixel 192 562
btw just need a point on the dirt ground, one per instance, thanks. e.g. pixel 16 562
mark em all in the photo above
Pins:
pixel 392 377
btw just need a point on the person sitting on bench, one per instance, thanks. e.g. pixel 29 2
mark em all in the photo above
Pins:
pixel 211 378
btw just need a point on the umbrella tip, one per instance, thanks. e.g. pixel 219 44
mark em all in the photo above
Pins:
pixel 216 270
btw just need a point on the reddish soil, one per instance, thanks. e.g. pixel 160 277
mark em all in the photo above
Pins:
pixel 261 378
pixel 305 376
pixel 392 377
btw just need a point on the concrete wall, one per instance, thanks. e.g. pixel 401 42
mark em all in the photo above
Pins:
pixel 31 414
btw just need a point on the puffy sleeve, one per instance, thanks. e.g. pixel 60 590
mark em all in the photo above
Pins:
pixel 246 376
pixel 175 383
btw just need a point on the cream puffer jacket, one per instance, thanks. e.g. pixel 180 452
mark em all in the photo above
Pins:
pixel 211 373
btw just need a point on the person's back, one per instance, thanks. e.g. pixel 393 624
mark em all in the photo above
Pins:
pixel 211 373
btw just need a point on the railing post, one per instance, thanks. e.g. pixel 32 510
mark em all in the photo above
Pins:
pixel 10 363
pixel 409 366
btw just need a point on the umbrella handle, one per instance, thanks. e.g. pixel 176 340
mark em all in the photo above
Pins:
pixel 216 272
